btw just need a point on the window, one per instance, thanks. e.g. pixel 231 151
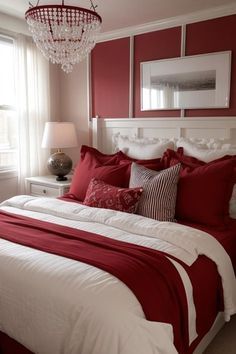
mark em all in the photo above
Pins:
pixel 8 121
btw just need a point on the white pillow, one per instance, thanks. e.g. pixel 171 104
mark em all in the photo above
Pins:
pixel 142 149
pixel 206 151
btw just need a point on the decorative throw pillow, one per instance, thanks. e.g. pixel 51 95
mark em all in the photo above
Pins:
pixel 159 191
pixel 102 195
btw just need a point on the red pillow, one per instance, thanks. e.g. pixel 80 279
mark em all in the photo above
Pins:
pixel 95 164
pixel 152 164
pixel 204 192
pixel 171 157
pixel 102 195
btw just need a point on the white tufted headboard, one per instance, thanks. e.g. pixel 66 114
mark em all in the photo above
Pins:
pixel 199 127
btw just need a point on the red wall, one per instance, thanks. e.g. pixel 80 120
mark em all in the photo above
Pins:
pixel 110 79
pixel 214 36
pixel 150 46
pixel 110 66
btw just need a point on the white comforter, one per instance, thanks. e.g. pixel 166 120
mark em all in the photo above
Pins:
pixel 54 305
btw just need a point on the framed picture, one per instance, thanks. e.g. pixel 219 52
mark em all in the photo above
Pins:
pixel 199 81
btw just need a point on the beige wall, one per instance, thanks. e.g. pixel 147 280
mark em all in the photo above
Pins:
pixel 74 104
pixel 68 101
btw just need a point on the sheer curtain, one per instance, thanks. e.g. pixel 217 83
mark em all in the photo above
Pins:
pixel 33 108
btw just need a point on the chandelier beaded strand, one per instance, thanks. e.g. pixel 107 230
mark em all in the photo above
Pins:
pixel 64 34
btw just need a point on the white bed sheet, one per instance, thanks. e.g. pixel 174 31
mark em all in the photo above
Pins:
pixel 52 304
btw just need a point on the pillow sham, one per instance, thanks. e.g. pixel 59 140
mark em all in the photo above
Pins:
pixel 171 158
pixel 102 195
pixel 204 193
pixel 159 191
pixel 152 164
pixel 146 148
pixel 103 167
pixel 106 159
pixel 189 163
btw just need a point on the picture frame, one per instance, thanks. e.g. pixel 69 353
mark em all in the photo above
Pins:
pixel 198 81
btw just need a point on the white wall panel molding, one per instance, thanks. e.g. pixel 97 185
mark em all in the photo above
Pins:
pixel 131 78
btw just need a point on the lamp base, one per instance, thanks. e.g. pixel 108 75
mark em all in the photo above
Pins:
pixel 59 164
pixel 61 178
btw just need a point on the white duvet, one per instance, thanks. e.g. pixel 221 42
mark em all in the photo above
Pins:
pixel 54 305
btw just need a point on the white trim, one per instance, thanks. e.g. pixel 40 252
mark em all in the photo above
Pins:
pixel 219 11
pixel 183 49
pixel 131 77
pixel 7 174
pixel 183 40
pixel 13 25
pixel 89 88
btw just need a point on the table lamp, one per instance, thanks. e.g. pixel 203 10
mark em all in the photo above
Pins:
pixel 59 135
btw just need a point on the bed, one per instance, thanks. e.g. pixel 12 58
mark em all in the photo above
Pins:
pixel 62 297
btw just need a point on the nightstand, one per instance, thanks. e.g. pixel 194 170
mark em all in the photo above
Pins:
pixel 46 186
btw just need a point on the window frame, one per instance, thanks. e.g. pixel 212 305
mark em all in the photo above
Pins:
pixel 8 171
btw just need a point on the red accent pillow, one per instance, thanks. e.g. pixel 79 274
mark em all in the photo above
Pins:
pixel 95 164
pixel 102 195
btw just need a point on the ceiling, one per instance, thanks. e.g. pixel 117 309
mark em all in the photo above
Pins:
pixel 117 14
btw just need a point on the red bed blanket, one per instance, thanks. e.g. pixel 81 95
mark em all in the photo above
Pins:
pixel 158 285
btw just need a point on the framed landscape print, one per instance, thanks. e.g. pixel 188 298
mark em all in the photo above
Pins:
pixel 199 81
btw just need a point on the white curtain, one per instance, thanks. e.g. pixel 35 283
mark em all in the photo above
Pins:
pixel 33 108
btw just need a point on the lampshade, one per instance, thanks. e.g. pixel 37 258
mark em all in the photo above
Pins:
pixel 58 135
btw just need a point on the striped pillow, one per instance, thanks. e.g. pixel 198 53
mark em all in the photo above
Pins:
pixel 159 191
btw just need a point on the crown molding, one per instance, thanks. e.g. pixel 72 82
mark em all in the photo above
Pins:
pixel 13 25
pixel 192 17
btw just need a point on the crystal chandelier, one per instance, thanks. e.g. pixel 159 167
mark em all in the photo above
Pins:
pixel 64 34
